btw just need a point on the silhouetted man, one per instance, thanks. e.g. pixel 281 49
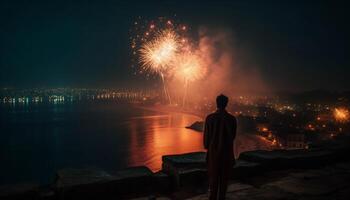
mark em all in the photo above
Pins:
pixel 219 134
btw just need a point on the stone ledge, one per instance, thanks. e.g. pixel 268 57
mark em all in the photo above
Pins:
pixel 282 159
pixel 93 183
pixel 189 169
pixel 19 191
pixel 188 160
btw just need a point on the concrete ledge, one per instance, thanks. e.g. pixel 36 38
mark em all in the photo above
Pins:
pixel 162 181
pixel 181 167
pixel 182 170
pixel 188 160
pixel 244 168
pixel 92 183
pixel 282 159
pixel 19 191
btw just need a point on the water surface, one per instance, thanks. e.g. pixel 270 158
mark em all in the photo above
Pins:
pixel 37 140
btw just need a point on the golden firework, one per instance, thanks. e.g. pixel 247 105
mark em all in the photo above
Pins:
pixel 157 55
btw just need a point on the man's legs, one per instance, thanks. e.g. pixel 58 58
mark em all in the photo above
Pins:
pixel 224 176
pixel 222 187
pixel 213 183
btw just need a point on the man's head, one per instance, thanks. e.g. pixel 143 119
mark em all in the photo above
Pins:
pixel 221 101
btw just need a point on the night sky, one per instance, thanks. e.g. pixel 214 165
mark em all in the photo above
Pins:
pixel 299 45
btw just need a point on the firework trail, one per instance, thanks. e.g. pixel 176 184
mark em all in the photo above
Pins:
pixel 164 50
pixel 190 69
pixel 155 44
pixel 156 56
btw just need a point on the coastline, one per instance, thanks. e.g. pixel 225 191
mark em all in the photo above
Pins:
pixel 171 109
pixel 244 141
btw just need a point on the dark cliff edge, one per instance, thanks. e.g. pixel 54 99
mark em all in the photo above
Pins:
pixel 178 171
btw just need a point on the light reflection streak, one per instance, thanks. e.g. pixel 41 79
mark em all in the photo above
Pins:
pixel 165 134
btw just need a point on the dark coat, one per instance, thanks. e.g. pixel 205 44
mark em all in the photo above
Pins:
pixel 219 134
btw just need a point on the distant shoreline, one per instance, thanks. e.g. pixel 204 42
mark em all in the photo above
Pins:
pixel 244 142
pixel 170 109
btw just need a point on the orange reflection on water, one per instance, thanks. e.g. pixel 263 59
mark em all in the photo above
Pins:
pixel 154 136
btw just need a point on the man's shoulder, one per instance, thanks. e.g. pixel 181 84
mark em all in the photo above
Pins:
pixel 210 116
pixel 231 115
pixel 216 115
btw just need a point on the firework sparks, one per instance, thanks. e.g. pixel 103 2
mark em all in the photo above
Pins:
pixel 341 114
pixel 165 50
pixel 189 67
pixel 156 55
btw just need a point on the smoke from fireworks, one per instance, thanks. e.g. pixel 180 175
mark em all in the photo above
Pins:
pixel 164 49
pixel 189 67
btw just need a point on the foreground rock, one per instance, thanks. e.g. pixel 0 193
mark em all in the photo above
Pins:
pixel 190 168
pixel 185 169
pixel 92 183
pixel 320 173
pixel 329 182
pixel 19 191
pixel 282 159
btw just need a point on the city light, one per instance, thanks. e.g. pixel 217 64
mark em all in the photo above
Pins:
pixel 341 115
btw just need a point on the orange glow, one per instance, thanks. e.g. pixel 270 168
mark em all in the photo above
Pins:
pixel 166 135
pixel 189 67
pixel 341 114
pixel 274 142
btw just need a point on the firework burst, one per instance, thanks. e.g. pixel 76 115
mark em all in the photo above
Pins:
pixel 163 49
pixel 156 56
pixel 189 67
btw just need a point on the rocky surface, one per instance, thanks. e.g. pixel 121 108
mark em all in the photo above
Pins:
pixel 182 166
pixel 68 178
pixel 320 173
pixel 281 159
pixel 19 191
pixel 187 160
pixel 185 169
pixel 93 183
pixel 330 182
